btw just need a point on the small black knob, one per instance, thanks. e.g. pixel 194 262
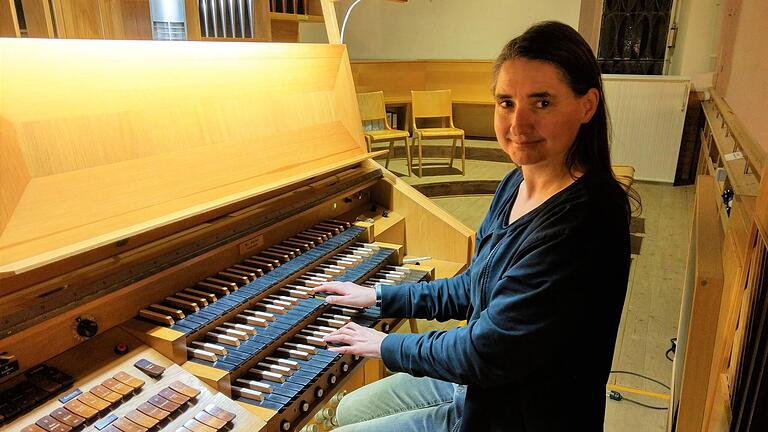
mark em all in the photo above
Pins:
pixel 385 327
pixel 332 379
pixel 304 407
pixel 344 367
pixel 87 328
pixel 285 425
pixel 319 392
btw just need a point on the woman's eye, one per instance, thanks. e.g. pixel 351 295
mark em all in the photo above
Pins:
pixel 542 103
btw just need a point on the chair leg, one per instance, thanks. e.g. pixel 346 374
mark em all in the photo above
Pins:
pixel 453 152
pixel 463 157
pixel 421 164
pixel 368 143
pixel 414 325
pixel 389 153
pixel 408 155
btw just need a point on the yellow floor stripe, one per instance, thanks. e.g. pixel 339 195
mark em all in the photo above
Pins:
pixel 621 388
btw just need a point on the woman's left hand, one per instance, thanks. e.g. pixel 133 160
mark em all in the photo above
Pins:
pixel 357 339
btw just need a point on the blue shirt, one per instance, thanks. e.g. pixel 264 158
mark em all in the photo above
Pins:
pixel 542 298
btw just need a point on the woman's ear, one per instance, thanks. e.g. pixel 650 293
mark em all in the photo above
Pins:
pixel 589 103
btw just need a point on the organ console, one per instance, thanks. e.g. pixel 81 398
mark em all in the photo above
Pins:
pixel 166 209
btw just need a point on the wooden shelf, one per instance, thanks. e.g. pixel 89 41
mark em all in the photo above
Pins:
pixel 743 184
pixel 280 16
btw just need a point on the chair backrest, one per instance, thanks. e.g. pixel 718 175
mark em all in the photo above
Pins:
pixel 371 106
pixel 432 103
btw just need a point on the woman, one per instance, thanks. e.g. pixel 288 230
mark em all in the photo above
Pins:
pixel 545 289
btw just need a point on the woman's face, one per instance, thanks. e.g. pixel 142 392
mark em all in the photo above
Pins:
pixel 537 115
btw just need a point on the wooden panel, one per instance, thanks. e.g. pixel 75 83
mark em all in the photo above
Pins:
pixel 285 31
pixel 82 19
pixel 137 23
pixel 132 127
pixel 102 363
pixel 761 207
pixel 705 309
pixel 9 24
pixel 430 230
pixel 37 14
pixel 14 175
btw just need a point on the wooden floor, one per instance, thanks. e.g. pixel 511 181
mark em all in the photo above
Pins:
pixel 652 307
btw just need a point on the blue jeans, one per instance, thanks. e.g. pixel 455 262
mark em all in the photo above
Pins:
pixel 402 402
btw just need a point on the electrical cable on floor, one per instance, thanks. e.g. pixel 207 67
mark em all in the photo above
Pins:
pixel 641 376
pixel 618 397
pixel 672 349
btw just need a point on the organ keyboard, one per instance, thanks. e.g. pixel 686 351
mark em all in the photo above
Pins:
pixel 155 216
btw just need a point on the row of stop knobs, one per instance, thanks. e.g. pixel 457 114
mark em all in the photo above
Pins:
pixel 325 419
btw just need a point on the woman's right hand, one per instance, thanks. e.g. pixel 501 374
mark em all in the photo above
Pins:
pixel 348 294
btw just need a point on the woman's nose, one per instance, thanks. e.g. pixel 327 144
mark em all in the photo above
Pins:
pixel 521 121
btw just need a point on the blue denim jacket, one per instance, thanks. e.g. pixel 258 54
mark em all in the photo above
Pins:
pixel 542 299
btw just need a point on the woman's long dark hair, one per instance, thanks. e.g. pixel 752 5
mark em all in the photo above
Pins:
pixel 563 47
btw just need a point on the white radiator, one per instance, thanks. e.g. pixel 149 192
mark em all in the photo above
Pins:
pixel 647 115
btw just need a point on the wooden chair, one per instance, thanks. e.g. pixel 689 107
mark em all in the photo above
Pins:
pixel 435 104
pixel 372 109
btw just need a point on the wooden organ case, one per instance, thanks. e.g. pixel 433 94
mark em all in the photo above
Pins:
pixel 169 204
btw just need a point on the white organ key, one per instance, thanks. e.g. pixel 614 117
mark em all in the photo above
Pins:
pixel 291 300
pixel 252 320
pixel 270 308
pixel 331 322
pixel 281 303
pixel 317 277
pixel 249 330
pixel 321 328
pixel 312 340
pixel 267 375
pixel 232 332
pixel 254 385
pixel 202 354
pixel 260 314
pixel 336 317
pixel 301 347
pixel 383 281
pixel 345 310
pixel 405 270
pixel 226 340
pixel 314 333
pixel 247 393
pixel 295 293
pixel 301 288
pixel 283 370
pixel 216 349
pixel 283 362
pixel 294 353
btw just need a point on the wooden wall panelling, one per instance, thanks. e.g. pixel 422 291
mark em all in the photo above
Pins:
pixel 734 255
pixel 705 309
pixel 82 19
pixel 285 31
pixel 136 21
pixel 192 14
pixel 14 175
pixel 9 24
pixel 104 118
pixel 37 14
pixel 262 25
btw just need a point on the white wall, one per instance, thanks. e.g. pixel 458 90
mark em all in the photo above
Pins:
pixel 440 29
pixel 697 40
